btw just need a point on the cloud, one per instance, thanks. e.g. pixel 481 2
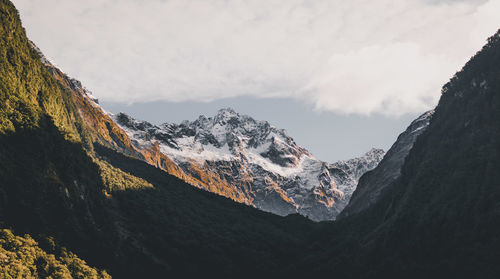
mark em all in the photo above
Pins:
pixel 396 77
pixel 357 56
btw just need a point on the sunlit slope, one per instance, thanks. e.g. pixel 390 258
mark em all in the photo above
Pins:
pixel 61 176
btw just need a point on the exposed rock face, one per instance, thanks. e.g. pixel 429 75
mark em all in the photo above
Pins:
pixel 230 154
pixel 254 163
pixel 347 173
pixel 388 170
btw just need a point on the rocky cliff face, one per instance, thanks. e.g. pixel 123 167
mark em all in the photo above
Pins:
pixel 254 162
pixel 388 170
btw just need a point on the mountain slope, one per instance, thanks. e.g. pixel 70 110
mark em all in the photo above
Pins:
pixel 267 181
pixel 23 257
pixel 441 217
pixel 372 183
pixel 347 173
pixel 254 163
pixel 101 129
pixel 57 178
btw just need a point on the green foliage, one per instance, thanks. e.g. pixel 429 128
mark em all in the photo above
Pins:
pixel 104 206
pixel 182 230
pixel 441 217
pixel 22 257
pixel 117 180
pixel 27 90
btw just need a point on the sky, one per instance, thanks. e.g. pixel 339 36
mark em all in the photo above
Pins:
pixel 342 66
pixel 329 136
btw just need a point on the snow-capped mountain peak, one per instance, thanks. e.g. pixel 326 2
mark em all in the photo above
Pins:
pixel 264 165
pixel 241 135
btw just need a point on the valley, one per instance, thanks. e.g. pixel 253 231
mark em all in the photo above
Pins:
pixel 88 194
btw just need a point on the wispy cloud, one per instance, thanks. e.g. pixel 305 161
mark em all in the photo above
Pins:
pixel 358 56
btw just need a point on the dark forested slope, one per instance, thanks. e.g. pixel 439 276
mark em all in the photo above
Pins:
pixel 114 211
pixel 441 217
pixel 388 170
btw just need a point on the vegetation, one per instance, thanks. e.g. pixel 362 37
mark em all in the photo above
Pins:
pixel 117 180
pixel 442 216
pixel 103 205
pixel 192 232
pixel 22 257
pixel 27 90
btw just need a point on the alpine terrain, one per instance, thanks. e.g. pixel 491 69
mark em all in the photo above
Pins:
pixel 80 197
pixel 221 155
pixel 254 163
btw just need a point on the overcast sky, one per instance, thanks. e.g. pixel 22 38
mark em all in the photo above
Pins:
pixel 383 58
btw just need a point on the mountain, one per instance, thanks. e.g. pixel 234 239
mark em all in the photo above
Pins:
pixel 278 190
pixel 441 217
pixel 67 174
pixel 372 184
pixel 64 185
pixel 101 129
pixel 254 163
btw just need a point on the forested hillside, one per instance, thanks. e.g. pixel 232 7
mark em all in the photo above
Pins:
pixel 441 217
pixel 114 211
pixel 63 185
pixel 23 257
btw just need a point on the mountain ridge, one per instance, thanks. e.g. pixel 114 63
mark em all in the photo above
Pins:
pixel 373 182
pixel 282 156
pixel 261 163
pixel 59 178
pixel 439 218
